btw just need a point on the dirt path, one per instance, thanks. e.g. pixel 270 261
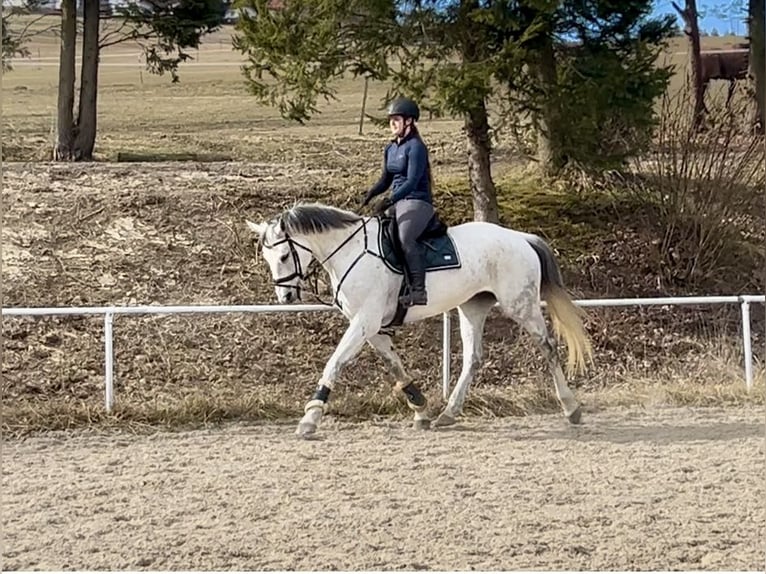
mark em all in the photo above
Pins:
pixel 653 490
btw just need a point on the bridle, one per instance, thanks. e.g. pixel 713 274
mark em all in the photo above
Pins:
pixel 304 276
pixel 298 268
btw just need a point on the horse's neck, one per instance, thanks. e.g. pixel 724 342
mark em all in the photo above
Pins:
pixel 336 259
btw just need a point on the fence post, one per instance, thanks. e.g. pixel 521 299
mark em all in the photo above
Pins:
pixel 109 360
pixel 364 104
pixel 747 344
pixel 446 354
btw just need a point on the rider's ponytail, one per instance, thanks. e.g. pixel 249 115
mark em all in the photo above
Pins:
pixel 416 133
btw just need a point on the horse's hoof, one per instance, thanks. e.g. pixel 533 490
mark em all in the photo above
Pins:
pixel 576 417
pixel 444 420
pixel 306 430
pixel 421 424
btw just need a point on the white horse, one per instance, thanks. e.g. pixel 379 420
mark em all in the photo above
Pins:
pixel 499 266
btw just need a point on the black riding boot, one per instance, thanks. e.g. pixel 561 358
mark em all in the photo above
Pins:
pixel 416 293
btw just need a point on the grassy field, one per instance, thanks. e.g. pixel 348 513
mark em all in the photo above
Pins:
pixel 171 233
pixel 210 110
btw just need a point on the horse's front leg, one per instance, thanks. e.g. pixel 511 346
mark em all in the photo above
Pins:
pixel 402 381
pixel 359 330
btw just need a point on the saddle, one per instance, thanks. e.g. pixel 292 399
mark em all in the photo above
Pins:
pixel 439 252
pixel 438 248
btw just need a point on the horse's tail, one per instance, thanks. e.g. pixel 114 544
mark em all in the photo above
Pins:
pixel 567 318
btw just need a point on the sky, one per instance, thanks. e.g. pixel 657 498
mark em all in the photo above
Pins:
pixel 725 16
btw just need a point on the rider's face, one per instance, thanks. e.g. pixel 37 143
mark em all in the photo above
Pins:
pixel 398 125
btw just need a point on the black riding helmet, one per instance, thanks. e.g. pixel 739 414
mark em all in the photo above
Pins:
pixel 404 107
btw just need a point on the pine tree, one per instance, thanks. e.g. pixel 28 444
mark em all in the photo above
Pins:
pixel 461 57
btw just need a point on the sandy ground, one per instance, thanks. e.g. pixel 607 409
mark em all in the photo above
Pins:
pixel 652 490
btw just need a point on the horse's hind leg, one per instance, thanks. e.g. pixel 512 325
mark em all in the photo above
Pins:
pixel 402 381
pixel 473 314
pixel 533 322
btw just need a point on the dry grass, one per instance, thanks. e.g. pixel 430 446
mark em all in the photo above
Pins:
pixel 209 111
pixel 177 372
pixel 707 387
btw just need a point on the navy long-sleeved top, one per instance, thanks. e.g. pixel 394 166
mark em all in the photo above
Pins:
pixel 405 169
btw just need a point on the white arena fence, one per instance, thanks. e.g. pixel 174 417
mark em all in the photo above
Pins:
pixel 109 313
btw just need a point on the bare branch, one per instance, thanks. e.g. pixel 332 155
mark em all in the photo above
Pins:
pixel 109 39
pixel 25 33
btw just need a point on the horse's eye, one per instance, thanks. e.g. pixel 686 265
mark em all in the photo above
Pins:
pixel 284 257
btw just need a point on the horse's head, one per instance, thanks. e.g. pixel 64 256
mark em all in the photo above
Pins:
pixel 287 258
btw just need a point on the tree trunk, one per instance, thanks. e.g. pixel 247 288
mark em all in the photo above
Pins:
pixel 548 131
pixel 691 29
pixel 86 117
pixel 478 142
pixel 757 23
pixel 65 104
pixel 480 167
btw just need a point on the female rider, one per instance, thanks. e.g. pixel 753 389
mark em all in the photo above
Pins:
pixel 407 170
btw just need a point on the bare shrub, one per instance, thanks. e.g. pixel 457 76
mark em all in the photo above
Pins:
pixel 705 189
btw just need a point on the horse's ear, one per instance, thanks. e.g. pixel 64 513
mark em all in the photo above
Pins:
pixel 257 228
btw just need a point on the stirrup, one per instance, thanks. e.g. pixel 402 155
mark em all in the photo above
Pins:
pixel 411 299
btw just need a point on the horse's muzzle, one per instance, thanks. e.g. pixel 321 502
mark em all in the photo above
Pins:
pixel 289 295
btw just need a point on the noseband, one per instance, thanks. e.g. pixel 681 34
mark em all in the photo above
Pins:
pixel 298 273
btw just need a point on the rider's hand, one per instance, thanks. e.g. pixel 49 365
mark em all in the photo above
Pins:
pixel 384 205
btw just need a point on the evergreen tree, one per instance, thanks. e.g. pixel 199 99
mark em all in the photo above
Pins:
pixel 461 57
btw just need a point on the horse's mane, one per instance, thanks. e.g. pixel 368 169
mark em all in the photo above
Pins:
pixel 308 218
